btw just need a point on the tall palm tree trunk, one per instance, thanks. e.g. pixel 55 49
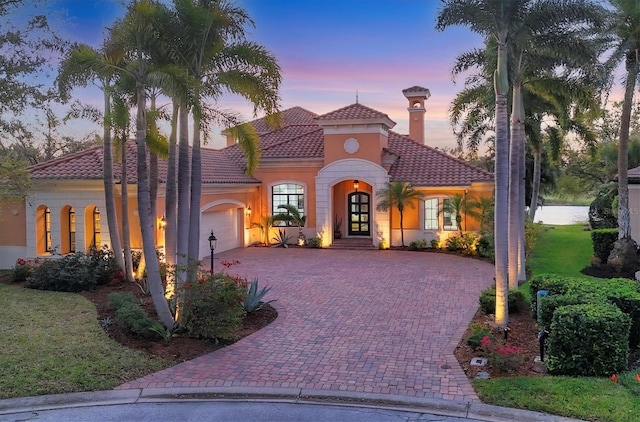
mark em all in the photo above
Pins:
pixel 521 194
pixel 501 219
pixel 514 186
pixel 184 175
pixel 171 194
pixel 126 230
pixel 146 219
pixel 196 193
pixel 109 194
pixel 535 190
pixel 624 222
pixel 401 228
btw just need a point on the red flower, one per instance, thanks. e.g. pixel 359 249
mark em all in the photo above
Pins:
pixel 485 342
pixel 637 377
pixel 614 378
pixel 240 299
pixel 21 261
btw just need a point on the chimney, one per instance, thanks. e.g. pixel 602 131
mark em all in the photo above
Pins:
pixel 416 95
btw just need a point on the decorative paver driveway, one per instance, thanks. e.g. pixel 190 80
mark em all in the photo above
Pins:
pixel 349 320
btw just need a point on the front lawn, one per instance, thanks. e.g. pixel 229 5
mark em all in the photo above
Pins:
pixel 52 343
pixel 565 250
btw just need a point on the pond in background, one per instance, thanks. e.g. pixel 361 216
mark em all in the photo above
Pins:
pixel 562 214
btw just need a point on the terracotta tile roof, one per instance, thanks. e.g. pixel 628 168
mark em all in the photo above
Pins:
pixel 355 112
pixel 411 161
pixel 308 145
pixel 290 117
pixel 217 168
pixel 422 165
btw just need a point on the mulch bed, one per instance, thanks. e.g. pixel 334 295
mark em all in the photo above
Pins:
pixel 181 347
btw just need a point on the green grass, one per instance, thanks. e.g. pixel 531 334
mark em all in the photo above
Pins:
pixel 565 250
pixel 52 343
pixel 568 200
pixel 584 398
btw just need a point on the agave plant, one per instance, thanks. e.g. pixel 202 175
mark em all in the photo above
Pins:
pixel 282 239
pixel 253 302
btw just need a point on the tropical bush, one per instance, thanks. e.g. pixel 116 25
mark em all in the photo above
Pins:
pixel 130 315
pixel 488 300
pixel 465 242
pixel 418 245
pixel 603 240
pixel 588 340
pixel 503 358
pixel 486 245
pixel 74 272
pixel 478 332
pixel 213 306
pixel 314 242
pixel 20 271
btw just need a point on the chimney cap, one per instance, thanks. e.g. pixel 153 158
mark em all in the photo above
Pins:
pixel 416 92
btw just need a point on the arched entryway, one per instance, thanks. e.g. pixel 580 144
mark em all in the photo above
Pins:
pixel 359 218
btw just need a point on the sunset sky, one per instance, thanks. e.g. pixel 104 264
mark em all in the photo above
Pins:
pixel 329 50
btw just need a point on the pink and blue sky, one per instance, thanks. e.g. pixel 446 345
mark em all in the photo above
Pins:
pixel 329 50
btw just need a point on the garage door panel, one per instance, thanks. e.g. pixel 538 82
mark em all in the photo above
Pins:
pixel 226 228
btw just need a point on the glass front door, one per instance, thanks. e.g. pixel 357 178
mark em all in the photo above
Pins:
pixel 359 214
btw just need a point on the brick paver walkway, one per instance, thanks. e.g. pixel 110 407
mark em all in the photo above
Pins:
pixel 382 322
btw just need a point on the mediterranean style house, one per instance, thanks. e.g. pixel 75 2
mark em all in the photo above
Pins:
pixel 330 167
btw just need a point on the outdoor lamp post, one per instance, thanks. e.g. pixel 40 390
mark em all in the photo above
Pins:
pixel 212 246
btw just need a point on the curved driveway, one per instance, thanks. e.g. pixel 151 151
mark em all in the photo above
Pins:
pixel 384 322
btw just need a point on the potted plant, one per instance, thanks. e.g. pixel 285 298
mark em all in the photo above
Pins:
pixel 337 224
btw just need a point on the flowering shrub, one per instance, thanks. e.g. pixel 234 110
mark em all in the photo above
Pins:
pixel 502 358
pixel 20 271
pixel 213 306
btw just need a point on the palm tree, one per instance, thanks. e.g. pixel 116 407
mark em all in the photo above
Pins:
pixel 458 205
pixel 399 195
pixel 265 224
pixel 214 53
pixel 137 32
pixel 492 19
pixel 82 64
pixel 293 215
pixel 626 48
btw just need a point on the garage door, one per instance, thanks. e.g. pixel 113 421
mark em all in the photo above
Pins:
pixel 225 226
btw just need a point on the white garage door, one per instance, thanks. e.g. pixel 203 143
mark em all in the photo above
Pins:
pixel 226 228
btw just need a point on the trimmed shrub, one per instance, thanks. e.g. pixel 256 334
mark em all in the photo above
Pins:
pixel 625 294
pixel 418 245
pixel 554 284
pixel 551 303
pixel 213 306
pixel 131 316
pixel 488 301
pixel 588 340
pixel 485 246
pixel 119 299
pixel 20 271
pixel 71 273
pixel 466 243
pixel 603 240
pixel 313 242
pixel 74 272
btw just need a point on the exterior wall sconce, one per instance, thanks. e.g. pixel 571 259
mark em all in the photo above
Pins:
pixel 163 223
pixel 356 184
pixel 248 211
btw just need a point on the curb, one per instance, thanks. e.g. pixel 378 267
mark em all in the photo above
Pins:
pixel 464 410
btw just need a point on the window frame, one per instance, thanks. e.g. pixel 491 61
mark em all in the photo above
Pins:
pixel 96 228
pixel 48 241
pixel 294 198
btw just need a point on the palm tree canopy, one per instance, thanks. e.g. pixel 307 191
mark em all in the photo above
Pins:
pixel 398 195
